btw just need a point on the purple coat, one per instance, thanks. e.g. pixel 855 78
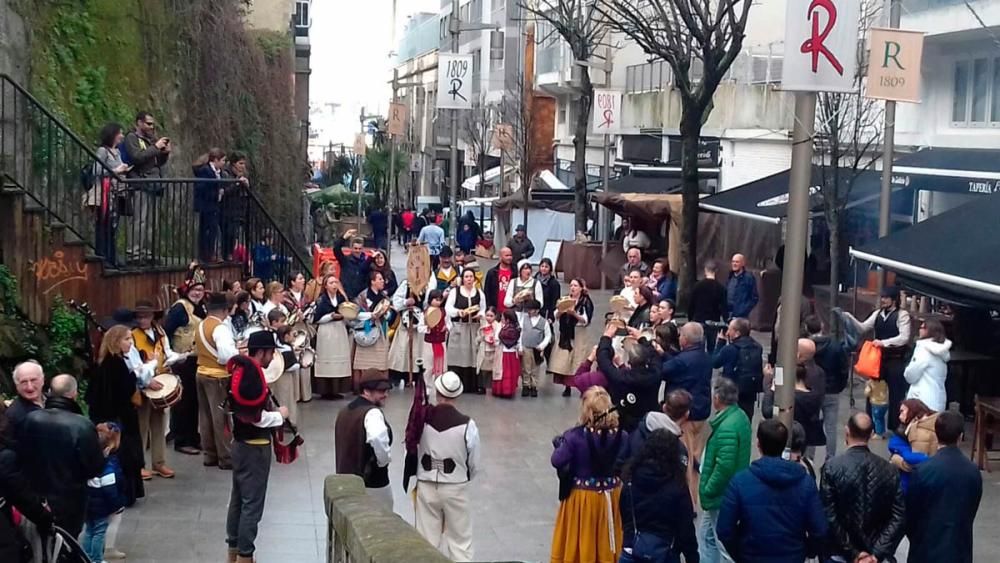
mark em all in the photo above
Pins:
pixel 584 378
pixel 589 456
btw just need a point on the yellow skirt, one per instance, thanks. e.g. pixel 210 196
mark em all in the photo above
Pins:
pixel 583 532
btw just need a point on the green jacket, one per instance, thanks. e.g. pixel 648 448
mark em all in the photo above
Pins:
pixel 727 452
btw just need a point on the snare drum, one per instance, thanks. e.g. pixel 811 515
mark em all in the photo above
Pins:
pixel 168 395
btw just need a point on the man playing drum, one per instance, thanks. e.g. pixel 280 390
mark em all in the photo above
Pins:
pixel 150 357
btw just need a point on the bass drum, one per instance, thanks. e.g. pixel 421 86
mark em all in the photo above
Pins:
pixel 168 395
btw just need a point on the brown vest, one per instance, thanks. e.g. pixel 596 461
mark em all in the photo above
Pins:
pixel 354 455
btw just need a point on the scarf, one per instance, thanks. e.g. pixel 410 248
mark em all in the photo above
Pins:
pixel 567 323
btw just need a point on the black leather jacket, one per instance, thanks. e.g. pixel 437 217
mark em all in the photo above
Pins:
pixel 864 505
pixel 59 451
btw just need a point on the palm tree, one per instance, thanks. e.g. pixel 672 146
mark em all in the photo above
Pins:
pixel 377 172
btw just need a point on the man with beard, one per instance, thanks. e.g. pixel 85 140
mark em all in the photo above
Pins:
pixel 495 286
pixel 354 264
pixel 363 438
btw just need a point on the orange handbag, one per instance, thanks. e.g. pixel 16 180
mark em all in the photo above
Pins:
pixel 869 360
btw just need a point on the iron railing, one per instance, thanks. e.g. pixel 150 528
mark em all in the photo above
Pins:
pixel 133 223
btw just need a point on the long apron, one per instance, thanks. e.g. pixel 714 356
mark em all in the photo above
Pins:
pixel 333 358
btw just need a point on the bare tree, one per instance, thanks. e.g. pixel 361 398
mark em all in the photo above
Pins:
pixel 515 111
pixel 848 142
pixel 579 24
pixel 686 34
pixel 476 126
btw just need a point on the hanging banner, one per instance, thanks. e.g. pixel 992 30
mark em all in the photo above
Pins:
pixel 821 45
pixel 359 144
pixel 397 119
pixel 470 157
pixel 607 112
pixel 894 65
pixel 454 85
pixel 503 137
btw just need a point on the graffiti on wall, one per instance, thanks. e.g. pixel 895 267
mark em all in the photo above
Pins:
pixel 55 270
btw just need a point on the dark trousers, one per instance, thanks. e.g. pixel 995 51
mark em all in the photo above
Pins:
pixel 69 510
pixel 747 401
pixel 231 226
pixel 251 467
pixel 184 415
pixel 208 232
pixel 891 372
pixel 435 261
pixel 711 337
pixel 104 233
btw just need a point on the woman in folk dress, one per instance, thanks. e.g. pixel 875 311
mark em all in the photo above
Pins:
pixel 524 281
pixel 465 325
pixel 376 355
pixel 573 345
pixel 333 348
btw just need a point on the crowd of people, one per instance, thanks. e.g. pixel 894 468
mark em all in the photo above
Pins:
pixel 261 348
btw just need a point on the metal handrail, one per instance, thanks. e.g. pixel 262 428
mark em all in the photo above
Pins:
pixel 303 263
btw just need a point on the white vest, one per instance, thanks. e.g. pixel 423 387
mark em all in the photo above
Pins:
pixel 443 457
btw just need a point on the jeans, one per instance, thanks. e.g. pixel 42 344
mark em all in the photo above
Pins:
pixel 831 407
pixel 140 227
pixel 878 417
pixel 892 372
pixel 208 232
pixel 251 467
pixel 92 540
pixel 709 546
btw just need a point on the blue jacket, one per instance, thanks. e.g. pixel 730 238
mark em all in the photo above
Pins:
pixel 206 194
pixel 104 492
pixel 741 292
pixel 667 288
pixel 691 370
pixel 898 444
pixel 772 513
pixel 728 358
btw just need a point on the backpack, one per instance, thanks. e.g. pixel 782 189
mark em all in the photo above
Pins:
pixel 89 176
pixel 750 367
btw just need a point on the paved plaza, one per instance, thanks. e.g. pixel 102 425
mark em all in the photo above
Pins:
pixel 514 495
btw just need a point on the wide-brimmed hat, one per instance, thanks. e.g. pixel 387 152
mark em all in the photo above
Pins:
pixel 449 385
pixel 374 379
pixel 121 316
pixel 144 307
pixel 261 340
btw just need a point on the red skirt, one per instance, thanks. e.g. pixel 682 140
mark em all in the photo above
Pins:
pixel 510 366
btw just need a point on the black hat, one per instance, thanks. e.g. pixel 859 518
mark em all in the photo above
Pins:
pixel 261 340
pixel 446 252
pixel 374 379
pixel 248 386
pixel 520 229
pixel 217 301
pixel 121 316
pixel 890 291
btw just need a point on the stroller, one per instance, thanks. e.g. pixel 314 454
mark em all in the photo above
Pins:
pixel 58 546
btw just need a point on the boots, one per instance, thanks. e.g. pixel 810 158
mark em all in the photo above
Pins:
pixel 231 555
pixel 525 391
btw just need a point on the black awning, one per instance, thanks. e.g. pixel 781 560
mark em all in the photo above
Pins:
pixel 766 199
pixel 658 180
pixel 965 171
pixel 951 256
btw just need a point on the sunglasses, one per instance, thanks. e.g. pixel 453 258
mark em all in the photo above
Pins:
pixel 150 124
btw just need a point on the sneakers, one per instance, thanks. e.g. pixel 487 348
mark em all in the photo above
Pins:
pixel 112 554
pixel 146 474
pixel 163 471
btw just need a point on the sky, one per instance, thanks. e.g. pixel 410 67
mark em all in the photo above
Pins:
pixel 350 61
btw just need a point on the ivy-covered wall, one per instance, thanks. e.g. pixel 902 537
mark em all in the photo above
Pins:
pixel 208 80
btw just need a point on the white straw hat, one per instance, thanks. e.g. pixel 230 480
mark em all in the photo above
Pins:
pixel 449 385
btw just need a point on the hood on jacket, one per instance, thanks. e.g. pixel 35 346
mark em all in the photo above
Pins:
pixel 778 473
pixel 940 349
pixel 822 342
pixel 660 421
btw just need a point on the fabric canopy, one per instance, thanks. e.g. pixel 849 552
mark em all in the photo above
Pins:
pixel 551 182
pixel 656 207
pixel 562 203
pixel 966 171
pixel 472 182
pixel 766 199
pixel 951 256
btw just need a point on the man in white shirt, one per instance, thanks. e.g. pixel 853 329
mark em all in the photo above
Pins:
pixel 215 345
pixel 363 438
pixel 447 460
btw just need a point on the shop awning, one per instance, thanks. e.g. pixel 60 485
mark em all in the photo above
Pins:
pixel 491 176
pixel 951 256
pixel 657 179
pixel 965 171
pixel 551 182
pixel 766 199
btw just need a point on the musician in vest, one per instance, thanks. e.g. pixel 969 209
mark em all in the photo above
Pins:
pixel 252 424
pixel 298 302
pixel 405 350
pixel 448 457
pixel 363 438
pixel 521 289
pixel 891 328
pixel 371 328
pixel 465 307
pixel 151 356
pixel 280 375
pixel 180 325
pixel 535 336
pixel 215 345
pixel 446 275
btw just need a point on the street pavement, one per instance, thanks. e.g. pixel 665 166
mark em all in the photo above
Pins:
pixel 514 495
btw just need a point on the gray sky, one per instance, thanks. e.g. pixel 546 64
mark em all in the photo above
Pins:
pixel 351 41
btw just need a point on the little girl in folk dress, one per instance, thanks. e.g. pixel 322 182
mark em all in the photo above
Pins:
pixel 435 352
pixel 508 363
pixel 486 342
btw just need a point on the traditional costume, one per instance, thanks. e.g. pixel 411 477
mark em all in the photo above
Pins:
pixel 371 350
pixel 252 425
pixel 487 341
pixel 535 336
pixel 405 352
pixel 462 337
pixel 444 278
pixel 508 364
pixel 434 352
pixel 180 325
pixel 363 440
pixel 573 345
pixel 216 346
pixel 284 388
pixel 448 456
pixel 516 286
pixel 333 348
pixel 298 302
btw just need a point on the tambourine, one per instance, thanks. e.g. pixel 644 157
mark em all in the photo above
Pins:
pixel 472 311
pixel 433 316
pixel 565 304
pixel 348 310
pixel 274 369
pixel 382 308
pixel 524 295
pixel 618 304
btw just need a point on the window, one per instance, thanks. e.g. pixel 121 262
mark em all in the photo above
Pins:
pixel 443 28
pixel 477 68
pixel 976 93
pixel 302 14
pixel 496 50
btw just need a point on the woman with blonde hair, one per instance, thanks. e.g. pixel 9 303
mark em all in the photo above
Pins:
pixel 113 396
pixel 332 370
pixel 274 294
pixel 588 525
